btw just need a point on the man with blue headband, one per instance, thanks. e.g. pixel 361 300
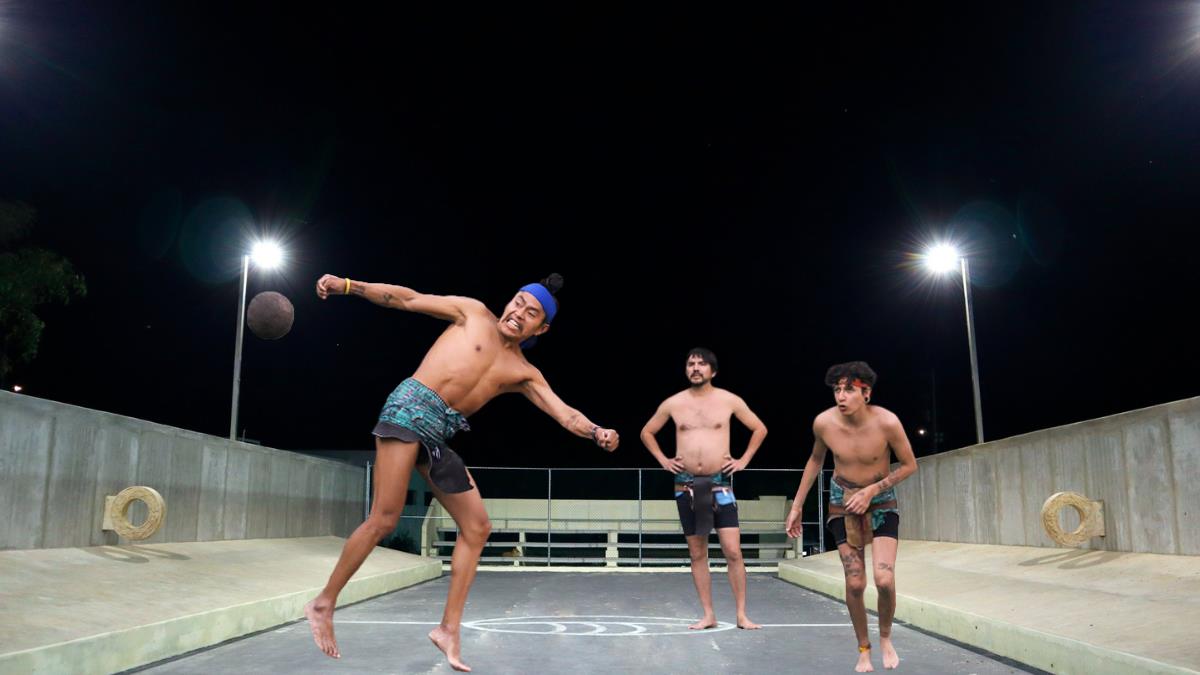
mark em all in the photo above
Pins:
pixel 478 357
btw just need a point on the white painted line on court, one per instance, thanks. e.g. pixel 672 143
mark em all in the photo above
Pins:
pixel 805 625
pixel 592 625
pixel 558 621
pixel 396 623
pixel 755 569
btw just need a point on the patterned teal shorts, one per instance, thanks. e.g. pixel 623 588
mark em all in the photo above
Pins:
pixel 683 478
pixel 415 413
pixel 837 494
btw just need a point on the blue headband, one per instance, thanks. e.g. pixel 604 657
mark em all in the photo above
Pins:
pixel 543 296
pixel 548 305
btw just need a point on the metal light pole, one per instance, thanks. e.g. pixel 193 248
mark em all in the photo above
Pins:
pixel 966 279
pixel 266 255
pixel 237 351
pixel 943 258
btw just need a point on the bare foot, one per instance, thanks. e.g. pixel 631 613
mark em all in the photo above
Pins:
pixel 709 621
pixel 890 658
pixel 320 620
pixel 448 642
pixel 744 621
pixel 864 663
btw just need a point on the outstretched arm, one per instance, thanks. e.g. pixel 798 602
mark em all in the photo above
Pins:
pixel 537 390
pixel 758 431
pixel 448 307
pixel 816 462
pixel 648 432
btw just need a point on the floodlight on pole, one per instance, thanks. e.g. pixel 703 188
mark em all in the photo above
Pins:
pixel 943 258
pixel 267 255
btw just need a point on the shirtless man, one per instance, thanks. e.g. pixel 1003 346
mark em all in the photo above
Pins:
pixel 476 358
pixel 862 503
pixel 703 492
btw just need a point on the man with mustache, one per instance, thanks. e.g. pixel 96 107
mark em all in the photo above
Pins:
pixel 703 491
pixel 478 357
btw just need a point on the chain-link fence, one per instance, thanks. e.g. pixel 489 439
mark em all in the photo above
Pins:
pixel 609 518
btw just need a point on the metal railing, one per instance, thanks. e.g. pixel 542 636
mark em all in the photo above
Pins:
pixel 565 511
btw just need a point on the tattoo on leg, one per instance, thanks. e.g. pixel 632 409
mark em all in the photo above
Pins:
pixel 884 566
pixel 853 564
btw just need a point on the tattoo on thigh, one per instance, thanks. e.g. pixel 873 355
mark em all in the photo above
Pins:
pixel 852 563
pixel 886 567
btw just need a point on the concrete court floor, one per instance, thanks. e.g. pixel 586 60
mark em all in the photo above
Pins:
pixel 577 622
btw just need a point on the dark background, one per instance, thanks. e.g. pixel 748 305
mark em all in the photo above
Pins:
pixel 753 183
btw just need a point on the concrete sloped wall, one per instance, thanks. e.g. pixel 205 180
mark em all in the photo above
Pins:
pixel 58 462
pixel 1144 465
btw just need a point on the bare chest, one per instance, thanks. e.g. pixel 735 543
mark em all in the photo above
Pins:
pixel 471 367
pixel 701 418
pixel 857 446
pixel 467 349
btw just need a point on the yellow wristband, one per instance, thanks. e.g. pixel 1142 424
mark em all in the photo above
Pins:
pixel 347 286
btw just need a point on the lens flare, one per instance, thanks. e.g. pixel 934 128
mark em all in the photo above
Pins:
pixel 942 258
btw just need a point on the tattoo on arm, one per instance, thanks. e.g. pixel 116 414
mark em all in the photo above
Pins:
pixel 889 481
pixel 387 299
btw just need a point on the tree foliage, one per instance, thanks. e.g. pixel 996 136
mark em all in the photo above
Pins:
pixel 30 277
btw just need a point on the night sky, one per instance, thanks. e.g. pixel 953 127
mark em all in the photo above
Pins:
pixel 749 183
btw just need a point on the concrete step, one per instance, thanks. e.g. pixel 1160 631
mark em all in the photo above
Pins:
pixel 106 609
pixel 1062 610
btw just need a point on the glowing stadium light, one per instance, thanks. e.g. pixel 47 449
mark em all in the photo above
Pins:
pixel 266 254
pixel 942 258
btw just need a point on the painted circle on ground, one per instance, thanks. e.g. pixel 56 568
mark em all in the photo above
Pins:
pixel 593 625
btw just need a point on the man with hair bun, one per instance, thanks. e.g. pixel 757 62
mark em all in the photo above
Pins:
pixel 862 499
pixel 478 357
